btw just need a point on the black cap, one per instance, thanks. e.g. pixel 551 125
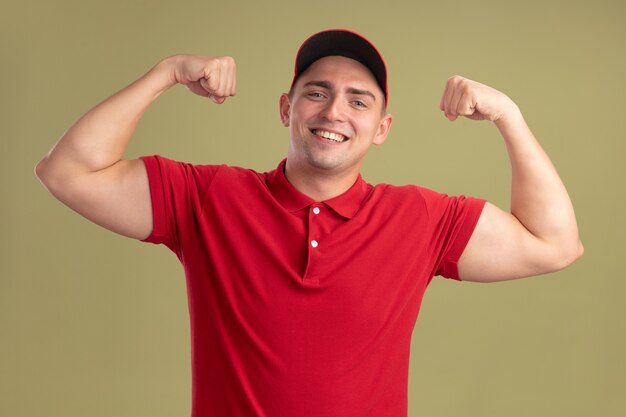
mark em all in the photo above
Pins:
pixel 345 43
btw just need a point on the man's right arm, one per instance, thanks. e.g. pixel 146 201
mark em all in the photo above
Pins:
pixel 85 169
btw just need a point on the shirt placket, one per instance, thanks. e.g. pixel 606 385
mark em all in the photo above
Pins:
pixel 314 245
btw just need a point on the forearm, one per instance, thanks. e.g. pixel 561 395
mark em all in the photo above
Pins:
pixel 539 199
pixel 100 137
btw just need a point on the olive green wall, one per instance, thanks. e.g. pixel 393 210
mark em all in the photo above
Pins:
pixel 94 324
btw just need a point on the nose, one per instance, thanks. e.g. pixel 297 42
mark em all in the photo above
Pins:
pixel 333 110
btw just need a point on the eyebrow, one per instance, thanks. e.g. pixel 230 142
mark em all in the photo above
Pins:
pixel 351 90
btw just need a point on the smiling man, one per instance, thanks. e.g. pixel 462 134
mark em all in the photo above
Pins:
pixel 335 111
pixel 304 282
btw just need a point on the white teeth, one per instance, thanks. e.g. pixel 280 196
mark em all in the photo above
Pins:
pixel 329 135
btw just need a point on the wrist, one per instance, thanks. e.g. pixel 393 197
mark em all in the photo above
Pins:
pixel 164 73
pixel 512 126
pixel 510 117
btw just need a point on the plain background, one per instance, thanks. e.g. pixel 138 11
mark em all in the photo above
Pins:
pixel 94 324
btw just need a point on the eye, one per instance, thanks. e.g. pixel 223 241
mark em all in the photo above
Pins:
pixel 316 94
pixel 359 103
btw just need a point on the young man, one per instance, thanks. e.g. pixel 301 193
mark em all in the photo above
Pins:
pixel 304 283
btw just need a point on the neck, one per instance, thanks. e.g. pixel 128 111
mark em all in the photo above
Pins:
pixel 319 185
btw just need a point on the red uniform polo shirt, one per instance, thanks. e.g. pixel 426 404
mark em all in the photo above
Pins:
pixel 301 308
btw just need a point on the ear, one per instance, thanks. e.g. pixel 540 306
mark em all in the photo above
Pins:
pixel 285 109
pixel 383 129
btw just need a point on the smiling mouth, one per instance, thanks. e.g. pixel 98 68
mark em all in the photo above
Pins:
pixel 333 137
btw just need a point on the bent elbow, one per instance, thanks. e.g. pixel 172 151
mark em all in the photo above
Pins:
pixel 581 250
pixel 568 255
pixel 40 170
pixel 47 174
pixel 577 252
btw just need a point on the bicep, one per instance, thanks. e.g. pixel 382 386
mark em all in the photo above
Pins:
pixel 116 198
pixel 501 248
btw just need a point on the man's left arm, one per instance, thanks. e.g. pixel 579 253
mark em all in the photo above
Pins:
pixel 540 234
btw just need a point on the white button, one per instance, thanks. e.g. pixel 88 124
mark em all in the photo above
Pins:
pixel 316 210
pixel 314 243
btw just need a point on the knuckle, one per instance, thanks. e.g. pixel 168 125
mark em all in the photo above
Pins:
pixel 227 61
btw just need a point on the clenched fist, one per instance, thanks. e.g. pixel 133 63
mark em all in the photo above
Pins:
pixel 207 76
pixel 464 97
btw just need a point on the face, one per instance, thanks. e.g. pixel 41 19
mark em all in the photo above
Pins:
pixel 334 114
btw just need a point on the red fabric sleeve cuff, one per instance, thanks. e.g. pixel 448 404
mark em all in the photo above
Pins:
pixel 451 263
pixel 157 196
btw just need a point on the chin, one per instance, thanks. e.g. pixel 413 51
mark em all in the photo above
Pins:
pixel 324 163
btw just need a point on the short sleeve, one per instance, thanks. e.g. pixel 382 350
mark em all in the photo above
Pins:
pixel 453 220
pixel 177 192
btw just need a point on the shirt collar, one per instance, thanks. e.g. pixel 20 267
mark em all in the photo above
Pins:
pixel 346 204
